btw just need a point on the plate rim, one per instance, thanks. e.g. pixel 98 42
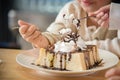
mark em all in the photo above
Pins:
pixel 65 72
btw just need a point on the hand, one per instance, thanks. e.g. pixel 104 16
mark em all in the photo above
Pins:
pixel 102 16
pixel 113 74
pixel 33 35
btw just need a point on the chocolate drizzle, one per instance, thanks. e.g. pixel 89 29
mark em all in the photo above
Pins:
pixel 61 61
pixel 69 58
pixel 70 37
pixel 63 56
pixel 50 48
pixel 87 59
pixel 77 22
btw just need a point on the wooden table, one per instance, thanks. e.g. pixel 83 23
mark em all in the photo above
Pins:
pixel 11 70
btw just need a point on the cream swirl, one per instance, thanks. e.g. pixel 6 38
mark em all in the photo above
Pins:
pixel 70 42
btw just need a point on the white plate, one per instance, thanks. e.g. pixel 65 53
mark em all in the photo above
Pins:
pixel 26 58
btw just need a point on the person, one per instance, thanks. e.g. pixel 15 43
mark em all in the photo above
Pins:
pixel 113 73
pixel 94 28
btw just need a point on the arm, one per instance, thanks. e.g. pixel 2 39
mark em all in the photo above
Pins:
pixel 43 39
pixel 31 34
pixel 112 45
pixel 107 40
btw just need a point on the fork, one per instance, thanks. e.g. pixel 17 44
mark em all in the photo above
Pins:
pixel 86 17
pixel 14 28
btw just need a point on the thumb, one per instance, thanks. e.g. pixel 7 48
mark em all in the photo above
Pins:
pixel 20 22
pixel 92 14
pixel 104 9
pixel 96 12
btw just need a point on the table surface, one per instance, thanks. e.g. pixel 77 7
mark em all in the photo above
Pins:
pixel 11 70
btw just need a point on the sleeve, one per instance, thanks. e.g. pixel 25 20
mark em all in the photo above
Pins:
pixel 112 45
pixel 114 16
pixel 52 32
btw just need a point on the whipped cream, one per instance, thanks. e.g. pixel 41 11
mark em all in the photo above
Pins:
pixel 71 41
pixel 64 46
pixel 65 31
pixel 81 43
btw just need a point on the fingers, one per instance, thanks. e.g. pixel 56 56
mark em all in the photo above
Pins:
pixel 97 12
pixel 112 72
pixel 32 37
pixel 98 17
pixel 104 9
pixel 21 23
pixel 28 31
pixel 100 10
pixel 24 26
pixel 32 34
pixel 102 19
pixel 105 17
pixel 23 29
pixel 102 15
pixel 114 78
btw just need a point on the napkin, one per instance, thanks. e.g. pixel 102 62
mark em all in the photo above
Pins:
pixel 114 20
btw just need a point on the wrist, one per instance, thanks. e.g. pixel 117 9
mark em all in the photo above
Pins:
pixel 41 42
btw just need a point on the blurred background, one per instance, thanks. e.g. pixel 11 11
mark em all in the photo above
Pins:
pixel 38 12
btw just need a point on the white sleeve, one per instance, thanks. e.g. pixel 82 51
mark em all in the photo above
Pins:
pixel 109 45
pixel 114 16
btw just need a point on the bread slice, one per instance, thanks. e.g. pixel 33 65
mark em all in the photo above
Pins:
pixel 74 61
pixel 42 58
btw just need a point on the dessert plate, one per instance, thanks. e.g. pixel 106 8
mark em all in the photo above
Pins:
pixel 26 59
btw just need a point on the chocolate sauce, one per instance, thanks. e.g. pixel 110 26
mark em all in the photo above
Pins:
pixel 61 61
pixel 87 58
pixel 32 63
pixel 50 48
pixel 78 24
pixel 97 63
pixel 65 57
pixel 53 68
pixel 69 56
